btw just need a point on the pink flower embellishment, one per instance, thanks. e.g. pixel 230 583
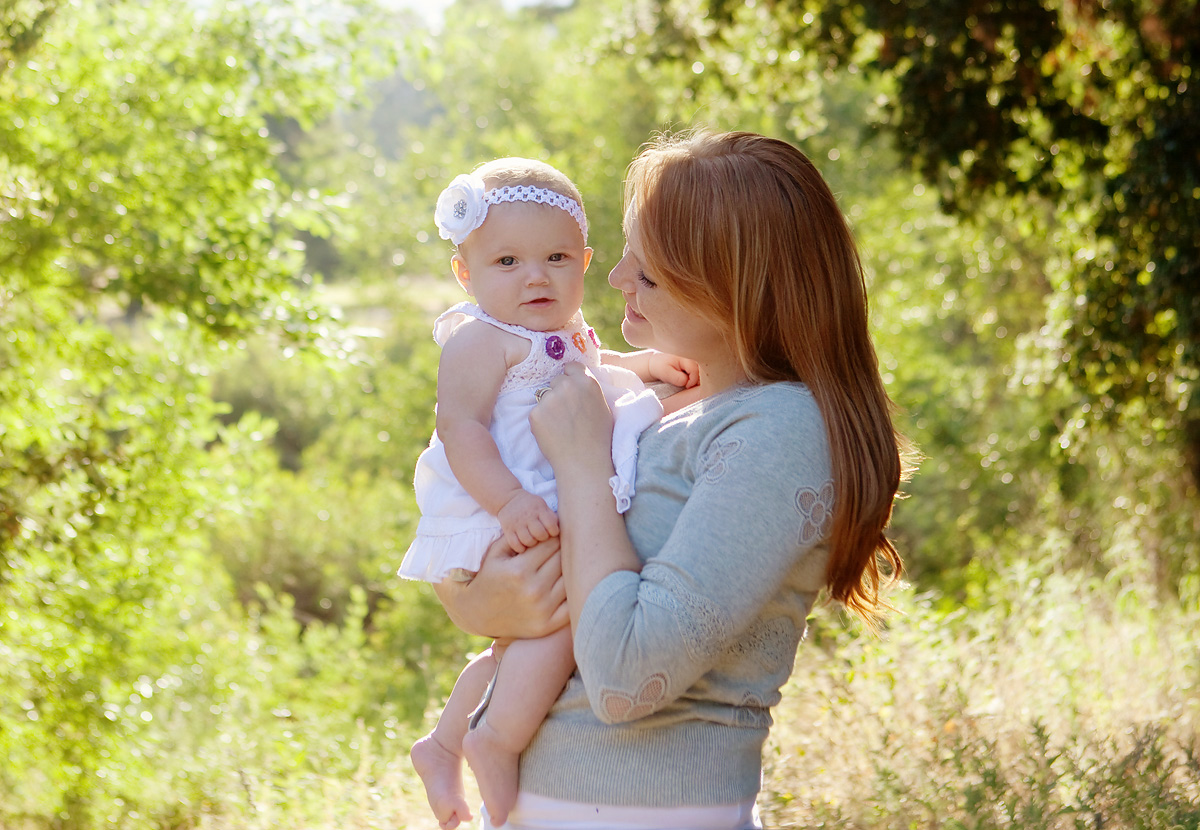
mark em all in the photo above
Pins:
pixel 625 707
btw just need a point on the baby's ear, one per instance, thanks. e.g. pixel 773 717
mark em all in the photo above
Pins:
pixel 461 273
pixel 587 258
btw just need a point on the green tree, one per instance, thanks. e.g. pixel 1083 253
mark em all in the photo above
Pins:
pixel 548 82
pixel 144 222
pixel 1081 108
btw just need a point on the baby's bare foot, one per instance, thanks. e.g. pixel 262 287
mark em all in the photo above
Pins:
pixel 441 772
pixel 494 763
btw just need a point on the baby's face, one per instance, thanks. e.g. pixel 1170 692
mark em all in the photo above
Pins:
pixel 524 265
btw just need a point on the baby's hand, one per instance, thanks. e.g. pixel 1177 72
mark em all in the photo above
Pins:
pixel 677 371
pixel 525 520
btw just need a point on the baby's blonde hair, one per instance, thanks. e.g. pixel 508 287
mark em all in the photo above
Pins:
pixel 515 171
pixel 522 172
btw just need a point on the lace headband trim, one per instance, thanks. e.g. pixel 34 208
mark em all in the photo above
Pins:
pixel 463 205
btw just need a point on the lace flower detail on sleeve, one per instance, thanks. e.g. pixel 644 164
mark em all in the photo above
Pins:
pixel 816 512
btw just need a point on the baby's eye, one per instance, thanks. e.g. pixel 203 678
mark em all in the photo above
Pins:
pixel 508 260
pixel 557 257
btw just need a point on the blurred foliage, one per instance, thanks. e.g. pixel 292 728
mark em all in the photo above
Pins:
pixel 336 510
pixel 219 275
pixel 1080 111
pixel 143 218
pixel 103 554
pixel 1016 710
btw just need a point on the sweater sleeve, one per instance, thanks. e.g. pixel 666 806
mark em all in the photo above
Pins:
pixel 760 503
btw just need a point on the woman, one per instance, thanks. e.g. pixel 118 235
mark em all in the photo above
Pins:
pixel 774 484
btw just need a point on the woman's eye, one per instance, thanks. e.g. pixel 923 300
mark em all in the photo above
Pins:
pixel 646 281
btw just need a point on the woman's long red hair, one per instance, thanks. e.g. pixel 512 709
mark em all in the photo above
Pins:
pixel 744 229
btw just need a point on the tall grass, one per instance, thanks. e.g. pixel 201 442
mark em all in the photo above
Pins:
pixel 1053 702
pixel 1056 703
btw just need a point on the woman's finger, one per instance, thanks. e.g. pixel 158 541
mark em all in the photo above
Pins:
pixel 561 616
pixel 537 557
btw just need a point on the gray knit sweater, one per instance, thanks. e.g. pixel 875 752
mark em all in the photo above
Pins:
pixel 680 664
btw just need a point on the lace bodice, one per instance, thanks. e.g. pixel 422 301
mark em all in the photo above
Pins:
pixel 549 351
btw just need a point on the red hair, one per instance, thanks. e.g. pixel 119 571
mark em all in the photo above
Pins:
pixel 743 229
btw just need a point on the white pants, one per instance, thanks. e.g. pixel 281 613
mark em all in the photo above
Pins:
pixel 535 812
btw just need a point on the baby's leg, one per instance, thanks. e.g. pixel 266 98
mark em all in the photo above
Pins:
pixel 531 677
pixel 437 757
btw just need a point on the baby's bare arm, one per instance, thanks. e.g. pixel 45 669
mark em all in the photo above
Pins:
pixel 472 368
pixel 475 359
pixel 651 365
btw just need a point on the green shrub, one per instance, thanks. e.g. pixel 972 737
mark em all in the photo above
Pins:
pixel 316 537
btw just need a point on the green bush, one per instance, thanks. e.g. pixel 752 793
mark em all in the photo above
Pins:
pixel 337 512
pixel 106 486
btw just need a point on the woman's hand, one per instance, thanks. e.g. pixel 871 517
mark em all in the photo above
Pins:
pixel 516 596
pixel 574 427
pixel 572 424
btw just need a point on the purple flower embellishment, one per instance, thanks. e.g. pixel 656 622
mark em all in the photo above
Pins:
pixel 555 347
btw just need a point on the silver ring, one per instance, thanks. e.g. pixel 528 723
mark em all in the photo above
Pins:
pixel 540 393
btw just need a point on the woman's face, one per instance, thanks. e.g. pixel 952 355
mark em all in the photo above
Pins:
pixel 654 319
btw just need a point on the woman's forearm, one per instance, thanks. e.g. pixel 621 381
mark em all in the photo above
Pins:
pixel 574 428
pixel 594 540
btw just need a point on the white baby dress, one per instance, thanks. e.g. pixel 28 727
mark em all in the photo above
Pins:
pixel 454 531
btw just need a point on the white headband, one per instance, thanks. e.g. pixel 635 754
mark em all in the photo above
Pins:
pixel 463 205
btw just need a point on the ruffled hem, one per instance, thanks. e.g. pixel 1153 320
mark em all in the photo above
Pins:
pixel 435 557
pixel 622 491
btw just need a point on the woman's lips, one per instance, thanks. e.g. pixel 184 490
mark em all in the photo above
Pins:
pixel 631 314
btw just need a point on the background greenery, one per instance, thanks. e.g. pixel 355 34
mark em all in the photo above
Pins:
pixel 217 275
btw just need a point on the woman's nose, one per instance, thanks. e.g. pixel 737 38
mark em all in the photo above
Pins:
pixel 618 277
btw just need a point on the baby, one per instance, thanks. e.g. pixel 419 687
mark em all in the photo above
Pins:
pixel 521 237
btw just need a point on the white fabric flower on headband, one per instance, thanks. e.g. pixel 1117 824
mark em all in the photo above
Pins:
pixel 461 208
pixel 463 205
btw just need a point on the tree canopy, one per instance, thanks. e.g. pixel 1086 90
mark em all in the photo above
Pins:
pixel 140 181
pixel 1079 113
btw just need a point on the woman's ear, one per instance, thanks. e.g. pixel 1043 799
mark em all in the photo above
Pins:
pixel 461 273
